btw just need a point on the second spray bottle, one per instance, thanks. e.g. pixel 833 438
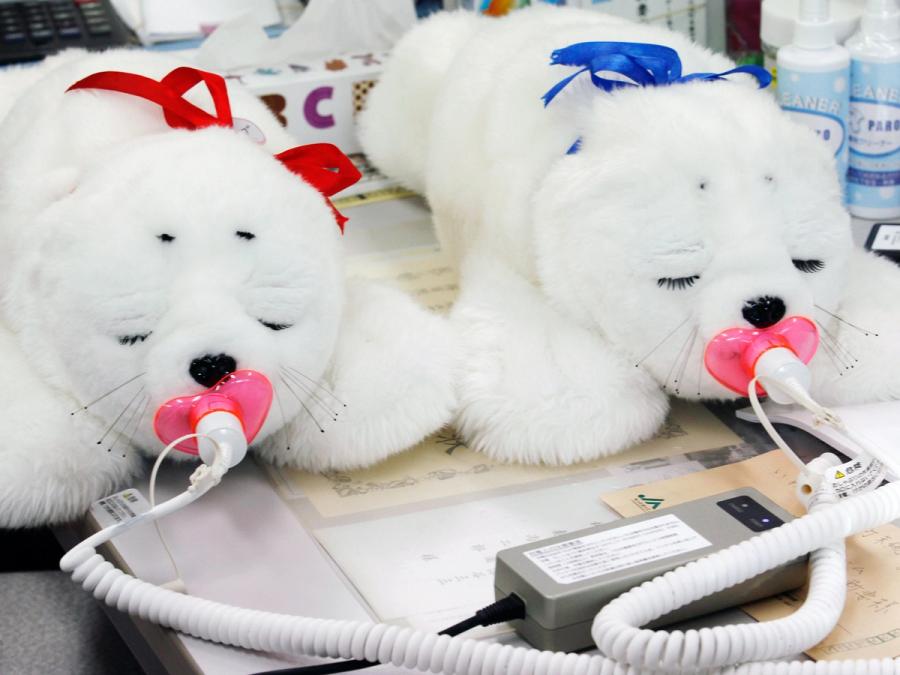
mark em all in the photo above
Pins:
pixel 851 97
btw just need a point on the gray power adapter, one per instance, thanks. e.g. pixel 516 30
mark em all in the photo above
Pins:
pixel 564 581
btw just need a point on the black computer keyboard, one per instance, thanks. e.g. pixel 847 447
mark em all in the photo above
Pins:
pixel 31 30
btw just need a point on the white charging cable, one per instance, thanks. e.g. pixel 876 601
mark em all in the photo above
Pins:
pixel 204 478
pixel 176 584
pixel 626 649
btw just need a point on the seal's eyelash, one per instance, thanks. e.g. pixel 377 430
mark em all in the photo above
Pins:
pixel 165 237
pixel 131 340
pixel 245 235
pixel 809 266
pixel 679 283
pixel 275 326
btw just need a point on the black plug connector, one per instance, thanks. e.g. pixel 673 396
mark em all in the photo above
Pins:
pixel 510 608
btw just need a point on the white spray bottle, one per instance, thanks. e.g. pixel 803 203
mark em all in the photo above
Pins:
pixel 814 80
pixel 873 180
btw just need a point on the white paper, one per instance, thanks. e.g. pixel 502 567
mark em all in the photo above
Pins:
pixel 176 19
pixel 326 27
pixel 235 44
pixel 433 567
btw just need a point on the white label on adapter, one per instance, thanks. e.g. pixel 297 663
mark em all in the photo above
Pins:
pixel 612 550
pixel 854 477
pixel 119 507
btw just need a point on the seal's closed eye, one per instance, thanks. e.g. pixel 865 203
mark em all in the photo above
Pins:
pixel 275 326
pixel 131 340
pixel 679 283
pixel 809 266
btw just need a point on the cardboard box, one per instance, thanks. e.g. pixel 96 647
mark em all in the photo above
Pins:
pixel 318 101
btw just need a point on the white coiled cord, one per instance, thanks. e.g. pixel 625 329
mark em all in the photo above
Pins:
pixel 626 648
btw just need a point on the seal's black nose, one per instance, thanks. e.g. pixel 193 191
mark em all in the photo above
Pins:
pixel 209 369
pixel 764 312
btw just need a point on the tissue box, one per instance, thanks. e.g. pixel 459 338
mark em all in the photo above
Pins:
pixel 317 100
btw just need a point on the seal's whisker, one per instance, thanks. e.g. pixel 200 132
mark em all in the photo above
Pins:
pixel 843 356
pixel 300 400
pixel 829 352
pixel 125 427
pixel 316 384
pixel 864 331
pixel 700 371
pixel 306 390
pixel 687 357
pixel 678 358
pixel 838 356
pixel 110 392
pixel 139 422
pixel 836 343
pixel 661 342
pixel 119 416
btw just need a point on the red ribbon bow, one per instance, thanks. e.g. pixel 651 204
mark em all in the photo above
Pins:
pixel 322 165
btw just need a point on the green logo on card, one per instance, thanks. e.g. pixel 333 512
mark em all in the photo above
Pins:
pixel 652 502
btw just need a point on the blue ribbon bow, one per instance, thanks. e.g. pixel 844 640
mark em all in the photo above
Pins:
pixel 642 64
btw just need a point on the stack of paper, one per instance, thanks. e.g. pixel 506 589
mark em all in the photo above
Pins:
pixel 165 20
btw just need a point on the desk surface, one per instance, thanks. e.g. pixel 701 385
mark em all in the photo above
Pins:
pixel 242 545
pixel 217 542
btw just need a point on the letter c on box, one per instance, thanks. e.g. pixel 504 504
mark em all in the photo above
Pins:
pixel 311 108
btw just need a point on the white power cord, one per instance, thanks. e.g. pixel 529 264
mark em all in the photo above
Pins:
pixel 626 648
pixel 176 584
pixel 770 429
pixel 202 481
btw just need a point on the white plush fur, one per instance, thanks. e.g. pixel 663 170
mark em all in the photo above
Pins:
pixel 567 335
pixel 88 181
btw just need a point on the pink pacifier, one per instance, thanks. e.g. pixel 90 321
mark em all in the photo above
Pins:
pixel 732 355
pixel 244 395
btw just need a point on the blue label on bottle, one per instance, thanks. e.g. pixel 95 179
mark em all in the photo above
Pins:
pixel 874 129
pixel 820 101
